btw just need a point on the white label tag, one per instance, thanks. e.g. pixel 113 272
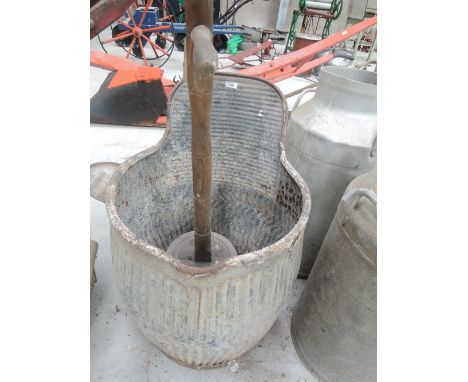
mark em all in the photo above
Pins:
pixel 231 85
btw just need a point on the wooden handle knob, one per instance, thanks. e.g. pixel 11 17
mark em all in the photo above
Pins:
pixel 205 57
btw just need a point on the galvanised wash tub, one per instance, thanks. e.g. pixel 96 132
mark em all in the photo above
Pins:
pixel 206 316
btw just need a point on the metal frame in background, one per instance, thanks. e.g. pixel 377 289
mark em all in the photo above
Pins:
pixel 328 15
pixel 305 59
pixel 134 31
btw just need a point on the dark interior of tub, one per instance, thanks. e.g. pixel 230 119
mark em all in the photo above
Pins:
pixel 251 216
pixel 255 202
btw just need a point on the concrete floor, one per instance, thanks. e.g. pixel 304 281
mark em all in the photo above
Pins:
pixel 119 352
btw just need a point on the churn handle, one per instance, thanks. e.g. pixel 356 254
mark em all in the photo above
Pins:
pixel 299 97
pixel 350 200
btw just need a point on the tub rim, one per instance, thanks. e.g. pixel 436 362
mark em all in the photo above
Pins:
pixel 249 259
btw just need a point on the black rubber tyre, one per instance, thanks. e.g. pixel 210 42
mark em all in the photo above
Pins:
pixel 124 42
pixel 179 41
pixel 137 51
pixel 160 41
pixel 220 42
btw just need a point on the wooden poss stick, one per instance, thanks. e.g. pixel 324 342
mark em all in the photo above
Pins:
pixel 201 63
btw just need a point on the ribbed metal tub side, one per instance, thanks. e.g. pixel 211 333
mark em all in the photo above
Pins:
pixel 205 317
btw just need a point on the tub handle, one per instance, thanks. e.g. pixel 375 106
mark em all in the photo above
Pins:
pixel 351 198
pixel 205 57
pixel 100 175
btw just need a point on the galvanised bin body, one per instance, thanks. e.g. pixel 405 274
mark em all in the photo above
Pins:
pixel 334 325
pixel 330 140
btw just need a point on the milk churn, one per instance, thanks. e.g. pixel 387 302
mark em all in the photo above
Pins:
pixel 334 325
pixel 330 140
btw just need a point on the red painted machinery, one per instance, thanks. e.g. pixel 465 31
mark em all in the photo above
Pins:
pixel 136 95
pixel 305 59
pixel 131 94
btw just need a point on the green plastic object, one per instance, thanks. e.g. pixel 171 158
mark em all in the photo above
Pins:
pixel 181 18
pixel 234 42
